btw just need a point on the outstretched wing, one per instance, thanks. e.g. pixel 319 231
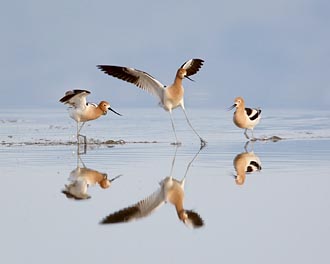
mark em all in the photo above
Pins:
pixel 75 98
pixel 192 66
pixel 141 79
pixel 253 113
pixel 141 209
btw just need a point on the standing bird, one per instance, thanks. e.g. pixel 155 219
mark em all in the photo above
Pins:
pixel 81 111
pixel 246 118
pixel 170 96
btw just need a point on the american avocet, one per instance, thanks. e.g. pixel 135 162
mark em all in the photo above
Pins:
pixel 170 96
pixel 246 118
pixel 171 190
pixel 82 178
pixel 81 111
pixel 246 162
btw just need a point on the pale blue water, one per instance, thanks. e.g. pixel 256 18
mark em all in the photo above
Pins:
pixel 280 214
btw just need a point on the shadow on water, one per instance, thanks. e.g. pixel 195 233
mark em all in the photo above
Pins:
pixel 81 178
pixel 171 190
pixel 246 162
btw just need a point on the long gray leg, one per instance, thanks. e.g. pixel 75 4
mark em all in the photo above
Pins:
pixel 81 127
pixel 189 164
pixel 253 135
pixel 80 135
pixel 173 161
pixel 176 138
pixel 246 135
pixel 203 142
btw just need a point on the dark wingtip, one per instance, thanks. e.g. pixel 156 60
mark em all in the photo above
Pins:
pixel 199 61
pixel 72 196
pixel 119 72
pixel 69 94
pixel 101 67
pixel 121 216
pixel 195 218
pixel 195 66
pixel 66 98
pixel 105 68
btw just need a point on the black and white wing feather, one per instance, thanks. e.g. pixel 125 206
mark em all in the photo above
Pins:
pixel 141 79
pixel 194 219
pixel 75 98
pixel 139 210
pixel 192 66
pixel 253 113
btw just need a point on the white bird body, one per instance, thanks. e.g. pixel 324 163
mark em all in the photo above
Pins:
pixel 246 118
pixel 81 111
pixel 87 113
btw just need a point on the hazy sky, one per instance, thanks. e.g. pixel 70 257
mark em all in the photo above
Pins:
pixel 273 53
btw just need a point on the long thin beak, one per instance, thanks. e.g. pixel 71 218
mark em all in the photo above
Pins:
pixel 189 78
pixel 230 108
pixel 115 178
pixel 113 111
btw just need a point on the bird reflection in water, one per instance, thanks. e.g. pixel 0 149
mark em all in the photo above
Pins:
pixel 246 162
pixel 171 190
pixel 82 178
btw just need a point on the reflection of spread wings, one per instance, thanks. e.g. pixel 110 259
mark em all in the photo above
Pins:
pixel 141 209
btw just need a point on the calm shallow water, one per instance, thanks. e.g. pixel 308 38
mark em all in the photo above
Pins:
pixel 279 215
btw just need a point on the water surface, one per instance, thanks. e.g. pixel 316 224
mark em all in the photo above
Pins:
pixel 279 215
